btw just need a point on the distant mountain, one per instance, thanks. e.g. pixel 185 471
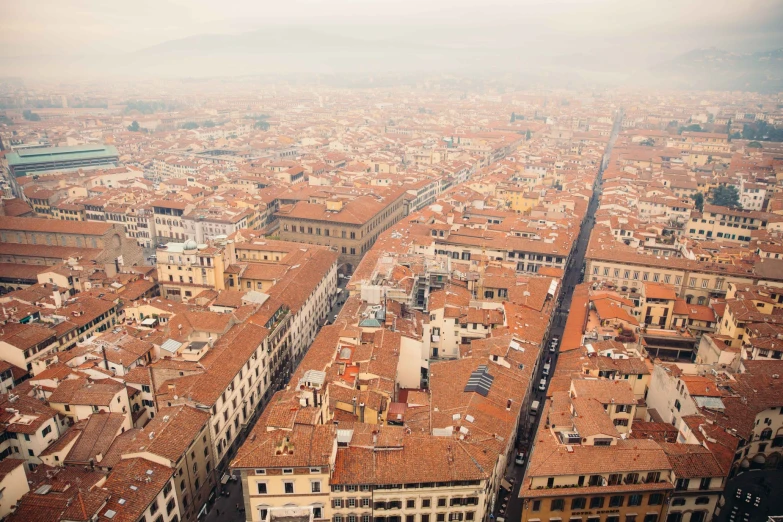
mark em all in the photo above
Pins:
pixel 716 69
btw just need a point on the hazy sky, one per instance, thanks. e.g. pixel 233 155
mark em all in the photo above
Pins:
pixel 87 27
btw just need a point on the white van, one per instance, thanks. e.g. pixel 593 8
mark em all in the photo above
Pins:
pixel 547 366
pixel 542 385
pixel 534 408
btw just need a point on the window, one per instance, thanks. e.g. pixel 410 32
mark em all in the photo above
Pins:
pixel 705 483
pixel 702 500
pixel 337 503
pixel 678 501
pixel 682 484
pixel 596 502
pixel 578 503
pixel 315 486
pixel 46 431
pixel 441 502
pixel 425 502
pixel 656 499
pixel 558 504
pixel 289 488
pixel 651 517
pixel 536 505
pixel 616 500
pixel 634 500
pixel 440 517
pixel 261 488
pixel 630 518
pixel 410 503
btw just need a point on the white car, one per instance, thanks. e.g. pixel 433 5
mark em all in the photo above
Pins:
pixel 520 458
pixel 547 367
pixel 542 385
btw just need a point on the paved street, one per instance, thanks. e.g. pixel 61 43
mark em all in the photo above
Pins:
pixel 572 277
pixel 224 508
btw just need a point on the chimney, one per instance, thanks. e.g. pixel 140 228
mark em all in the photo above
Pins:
pixel 315 397
pixel 353 401
pixel 361 412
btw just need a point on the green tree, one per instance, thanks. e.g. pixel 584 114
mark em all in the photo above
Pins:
pixel 693 127
pixel 528 134
pixel 698 200
pixel 261 124
pixel 190 125
pixel 29 115
pixel 754 145
pixel 134 127
pixel 209 124
pixel 727 196
pixel 513 117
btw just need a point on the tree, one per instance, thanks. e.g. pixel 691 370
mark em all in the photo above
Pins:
pixel 693 127
pixel 698 200
pixel 209 124
pixel 30 115
pixel 727 196
pixel 134 127
pixel 261 124
pixel 649 142
pixel 190 125
pixel 754 145
pixel 513 117
pixel 528 135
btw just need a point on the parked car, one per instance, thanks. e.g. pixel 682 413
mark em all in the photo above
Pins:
pixel 542 385
pixel 520 458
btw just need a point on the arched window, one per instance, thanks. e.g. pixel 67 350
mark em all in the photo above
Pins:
pixel 766 434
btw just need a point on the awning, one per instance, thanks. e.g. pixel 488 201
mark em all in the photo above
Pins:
pixel 505 484
pixel 759 459
pixel 224 479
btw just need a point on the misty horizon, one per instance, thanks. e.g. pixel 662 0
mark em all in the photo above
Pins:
pixel 608 42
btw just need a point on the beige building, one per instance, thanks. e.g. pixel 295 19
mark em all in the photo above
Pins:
pixel 13 484
pixel 186 269
pixel 179 438
pixel 348 224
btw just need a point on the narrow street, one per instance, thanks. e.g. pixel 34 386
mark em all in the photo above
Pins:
pixel 572 277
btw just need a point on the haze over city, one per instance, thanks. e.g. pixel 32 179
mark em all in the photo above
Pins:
pixel 610 41
pixel 376 261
